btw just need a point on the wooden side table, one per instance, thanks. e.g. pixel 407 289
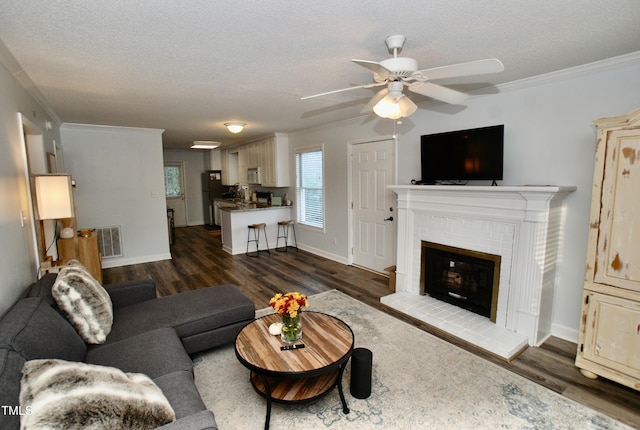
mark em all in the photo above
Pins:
pixel 87 253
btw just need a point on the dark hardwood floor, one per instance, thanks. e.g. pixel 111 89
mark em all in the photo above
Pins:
pixel 198 261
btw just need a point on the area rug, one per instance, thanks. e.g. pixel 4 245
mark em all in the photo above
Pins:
pixel 418 382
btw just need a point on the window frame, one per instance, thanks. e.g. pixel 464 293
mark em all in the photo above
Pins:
pixel 299 202
pixel 181 180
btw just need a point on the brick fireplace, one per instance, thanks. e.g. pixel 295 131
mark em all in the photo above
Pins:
pixel 520 224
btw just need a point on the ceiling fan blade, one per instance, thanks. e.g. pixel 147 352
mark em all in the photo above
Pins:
pixel 479 67
pixel 438 92
pixel 374 66
pixel 377 84
pixel 374 100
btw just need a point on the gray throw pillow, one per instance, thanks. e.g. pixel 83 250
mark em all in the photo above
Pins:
pixel 58 394
pixel 84 302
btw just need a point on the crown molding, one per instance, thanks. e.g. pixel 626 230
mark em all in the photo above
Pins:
pixel 573 72
pixel 110 128
pixel 12 65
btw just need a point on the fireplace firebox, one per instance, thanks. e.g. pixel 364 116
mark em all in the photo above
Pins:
pixel 461 277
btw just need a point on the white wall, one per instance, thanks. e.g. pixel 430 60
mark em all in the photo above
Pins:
pixel 120 182
pixel 195 162
pixel 18 265
pixel 549 139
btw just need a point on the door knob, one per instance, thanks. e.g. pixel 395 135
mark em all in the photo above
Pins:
pixel 388 219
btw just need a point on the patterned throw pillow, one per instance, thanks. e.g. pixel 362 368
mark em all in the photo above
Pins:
pixel 58 394
pixel 85 303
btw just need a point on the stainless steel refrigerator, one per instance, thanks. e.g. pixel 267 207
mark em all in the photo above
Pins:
pixel 212 189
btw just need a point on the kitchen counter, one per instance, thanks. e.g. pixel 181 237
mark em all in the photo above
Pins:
pixel 245 206
pixel 236 218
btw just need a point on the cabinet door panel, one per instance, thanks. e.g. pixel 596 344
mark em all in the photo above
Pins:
pixel 617 261
pixel 612 336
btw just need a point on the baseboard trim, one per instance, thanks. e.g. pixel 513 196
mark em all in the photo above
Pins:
pixel 119 262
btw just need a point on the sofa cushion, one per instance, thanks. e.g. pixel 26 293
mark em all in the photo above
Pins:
pixel 42 288
pixel 85 303
pixel 68 395
pixel 189 313
pixel 127 293
pixel 203 420
pixel 10 372
pixel 33 329
pixel 154 353
pixel 181 392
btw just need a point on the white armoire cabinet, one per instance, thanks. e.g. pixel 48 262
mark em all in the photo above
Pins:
pixel 609 338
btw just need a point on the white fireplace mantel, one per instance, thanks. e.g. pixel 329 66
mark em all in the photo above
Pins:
pixel 522 224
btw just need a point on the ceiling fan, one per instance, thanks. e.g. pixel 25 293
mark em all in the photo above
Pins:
pixel 398 72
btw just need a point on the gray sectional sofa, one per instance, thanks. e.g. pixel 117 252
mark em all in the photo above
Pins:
pixel 149 335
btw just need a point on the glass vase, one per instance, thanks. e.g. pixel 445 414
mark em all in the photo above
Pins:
pixel 291 328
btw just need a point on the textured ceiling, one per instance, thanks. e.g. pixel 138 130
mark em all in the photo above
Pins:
pixel 189 66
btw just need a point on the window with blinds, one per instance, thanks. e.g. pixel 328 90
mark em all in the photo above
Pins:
pixel 309 187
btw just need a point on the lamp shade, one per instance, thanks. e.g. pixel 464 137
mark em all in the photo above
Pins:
pixel 54 197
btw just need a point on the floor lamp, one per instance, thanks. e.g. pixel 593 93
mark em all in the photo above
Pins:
pixel 54 200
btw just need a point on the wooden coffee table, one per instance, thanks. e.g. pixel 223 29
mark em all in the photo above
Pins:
pixel 297 375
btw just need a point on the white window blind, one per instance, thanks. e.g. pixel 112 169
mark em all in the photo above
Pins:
pixel 309 187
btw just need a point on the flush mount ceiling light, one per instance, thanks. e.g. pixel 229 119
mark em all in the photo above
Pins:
pixel 204 144
pixel 235 127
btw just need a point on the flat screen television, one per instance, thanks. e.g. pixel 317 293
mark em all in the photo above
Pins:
pixel 463 155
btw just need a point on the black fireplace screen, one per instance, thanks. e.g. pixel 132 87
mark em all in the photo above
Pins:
pixel 465 278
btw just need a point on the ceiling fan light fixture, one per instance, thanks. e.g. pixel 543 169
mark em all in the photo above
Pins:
pixel 387 108
pixel 235 127
pixel 407 106
pixel 394 107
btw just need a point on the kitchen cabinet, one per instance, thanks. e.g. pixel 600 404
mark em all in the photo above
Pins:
pixel 271 154
pixel 609 337
pixel 253 154
pixel 275 170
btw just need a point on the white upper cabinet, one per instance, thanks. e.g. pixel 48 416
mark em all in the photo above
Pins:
pixel 270 154
pixel 275 167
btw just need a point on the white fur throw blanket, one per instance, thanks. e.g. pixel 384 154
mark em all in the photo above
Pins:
pixel 58 394
pixel 85 303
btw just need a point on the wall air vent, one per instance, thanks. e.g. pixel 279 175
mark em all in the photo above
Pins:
pixel 109 241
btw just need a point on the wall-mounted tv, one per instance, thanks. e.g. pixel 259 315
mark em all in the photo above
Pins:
pixel 463 155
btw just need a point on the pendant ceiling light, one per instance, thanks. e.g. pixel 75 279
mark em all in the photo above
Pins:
pixel 235 127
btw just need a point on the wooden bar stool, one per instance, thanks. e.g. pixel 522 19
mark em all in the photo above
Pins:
pixel 256 228
pixel 284 234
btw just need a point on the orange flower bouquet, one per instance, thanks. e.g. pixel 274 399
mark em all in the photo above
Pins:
pixel 289 306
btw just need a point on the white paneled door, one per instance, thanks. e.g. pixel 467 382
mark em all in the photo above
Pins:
pixel 374 205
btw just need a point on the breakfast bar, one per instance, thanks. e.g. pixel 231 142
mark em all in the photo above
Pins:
pixel 235 219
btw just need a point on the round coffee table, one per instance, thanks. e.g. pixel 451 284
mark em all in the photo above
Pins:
pixel 296 375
